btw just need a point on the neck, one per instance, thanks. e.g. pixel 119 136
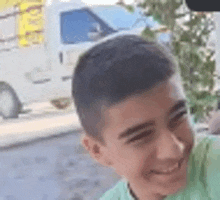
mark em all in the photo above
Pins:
pixel 140 197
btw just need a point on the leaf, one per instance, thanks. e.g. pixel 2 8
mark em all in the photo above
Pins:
pixel 157 18
pixel 177 47
pixel 195 58
pixel 212 83
pixel 149 34
pixel 200 42
pixel 130 8
pixel 185 37
pixel 210 66
pixel 195 21
pixel 177 16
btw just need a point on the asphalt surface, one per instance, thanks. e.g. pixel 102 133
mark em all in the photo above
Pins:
pixel 55 168
pixel 42 158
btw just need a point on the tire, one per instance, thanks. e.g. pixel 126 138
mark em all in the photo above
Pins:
pixel 61 104
pixel 10 105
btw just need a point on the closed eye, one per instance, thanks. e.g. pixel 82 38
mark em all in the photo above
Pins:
pixel 178 119
pixel 144 134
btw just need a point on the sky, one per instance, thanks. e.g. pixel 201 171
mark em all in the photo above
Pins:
pixel 105 2
pixel 89 2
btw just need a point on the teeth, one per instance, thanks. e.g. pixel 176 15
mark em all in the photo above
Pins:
pixel 171 169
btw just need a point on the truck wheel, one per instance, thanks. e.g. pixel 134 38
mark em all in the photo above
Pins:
pixel 61 104
pixel 9 103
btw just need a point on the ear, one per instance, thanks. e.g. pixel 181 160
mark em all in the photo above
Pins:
pixel 96 150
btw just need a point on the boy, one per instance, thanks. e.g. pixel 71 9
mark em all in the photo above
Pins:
pixel 132 107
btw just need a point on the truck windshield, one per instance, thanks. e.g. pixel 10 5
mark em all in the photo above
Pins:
pixel 77 26
pixel 120 18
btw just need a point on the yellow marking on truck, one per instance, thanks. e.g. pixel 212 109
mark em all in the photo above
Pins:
pixel 31 23
pixel 9 3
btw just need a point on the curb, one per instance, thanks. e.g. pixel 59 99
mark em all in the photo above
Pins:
pixel 14 133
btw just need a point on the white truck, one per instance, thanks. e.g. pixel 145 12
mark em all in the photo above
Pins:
pixel 39 47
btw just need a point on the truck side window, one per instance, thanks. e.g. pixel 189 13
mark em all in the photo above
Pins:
pixel 77 25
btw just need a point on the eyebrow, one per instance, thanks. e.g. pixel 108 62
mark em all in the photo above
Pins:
pixel 180 104
pixel 132 130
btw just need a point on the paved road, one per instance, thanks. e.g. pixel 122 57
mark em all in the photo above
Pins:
pixel 41 158
pixel 52 169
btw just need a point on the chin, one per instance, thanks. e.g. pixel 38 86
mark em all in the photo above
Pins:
pixel 175 188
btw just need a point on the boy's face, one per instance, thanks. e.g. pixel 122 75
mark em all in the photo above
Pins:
pixel 148 141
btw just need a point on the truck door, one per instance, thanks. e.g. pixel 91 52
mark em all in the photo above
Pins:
pixel 79 30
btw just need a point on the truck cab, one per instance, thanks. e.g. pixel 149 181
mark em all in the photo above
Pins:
pixel 40 65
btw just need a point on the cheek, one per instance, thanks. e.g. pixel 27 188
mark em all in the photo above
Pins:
pixel 132 162
pixel 186 134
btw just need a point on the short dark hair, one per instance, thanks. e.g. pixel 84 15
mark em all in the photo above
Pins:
pixel 113 71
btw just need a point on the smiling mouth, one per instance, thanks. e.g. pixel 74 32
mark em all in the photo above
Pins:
pixel 170 170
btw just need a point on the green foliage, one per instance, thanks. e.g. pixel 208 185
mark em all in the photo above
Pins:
pixel 130 8
pixel 185 37
pixel 201 103
pixel 189 45
pixel 149 34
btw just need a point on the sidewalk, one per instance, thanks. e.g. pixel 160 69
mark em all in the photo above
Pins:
pixel 14 132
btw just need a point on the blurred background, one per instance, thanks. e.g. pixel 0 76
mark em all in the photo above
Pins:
pixel 40 43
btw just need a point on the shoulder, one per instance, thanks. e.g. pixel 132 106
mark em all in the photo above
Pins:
pixel 208 154
pixel 206 143
pixel 204 156
pixel 198 157
pixel 206 146
pixel 210 147
pixel 208 140
pixel 115 193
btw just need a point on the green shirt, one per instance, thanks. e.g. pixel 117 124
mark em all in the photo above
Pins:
pixel 203 175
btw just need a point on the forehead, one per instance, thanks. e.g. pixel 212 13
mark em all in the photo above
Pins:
pixel 141 108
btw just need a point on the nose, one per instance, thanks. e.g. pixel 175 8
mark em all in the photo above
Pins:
pixel 169 147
